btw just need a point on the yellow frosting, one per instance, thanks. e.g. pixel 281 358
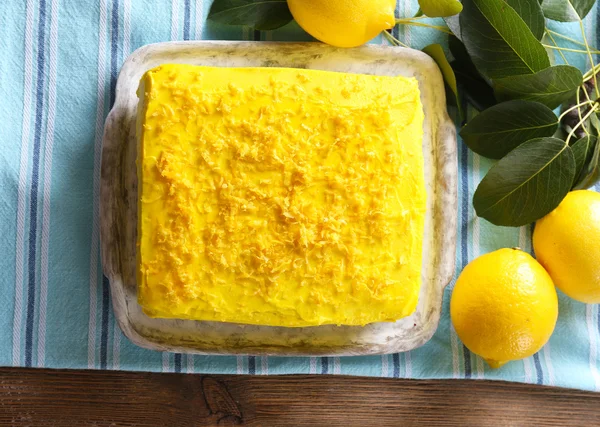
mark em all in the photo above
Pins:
pixel 280 197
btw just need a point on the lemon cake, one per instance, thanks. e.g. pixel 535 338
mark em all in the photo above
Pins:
pixel 280 197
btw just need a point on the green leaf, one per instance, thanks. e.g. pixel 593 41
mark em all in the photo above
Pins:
pixel 551 86
pixel 474 88
pixel 454 24
pixel 531 12
pixel 436 52
pixel 498 40
pixel 440 8
pixel 498 130
pixel 595 124
pixel 259 14
pixel 472 85
pixel 567 10
pixel 583 151
pixel 527 184
pixel 590 171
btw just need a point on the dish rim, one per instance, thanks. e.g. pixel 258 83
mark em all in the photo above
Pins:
pixel 444 204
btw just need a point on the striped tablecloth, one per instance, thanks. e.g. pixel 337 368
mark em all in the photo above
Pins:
pixel 59 60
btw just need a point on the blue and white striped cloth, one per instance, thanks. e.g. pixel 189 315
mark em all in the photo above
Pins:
pixel 59 60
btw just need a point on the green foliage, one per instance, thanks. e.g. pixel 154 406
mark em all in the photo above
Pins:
pixel 498 130
pixel 259 14
pixel 551 86
pixel 567 10
pixel 499 41
pixel 527 184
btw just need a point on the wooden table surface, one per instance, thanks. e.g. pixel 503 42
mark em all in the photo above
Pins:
pixel 30 397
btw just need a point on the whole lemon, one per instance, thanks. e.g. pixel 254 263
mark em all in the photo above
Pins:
pixel 567 244
pixel 504 306
pixel 344 23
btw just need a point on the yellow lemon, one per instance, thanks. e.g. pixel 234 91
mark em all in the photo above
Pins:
pixel 567 244
pixel 344 23
pixel 504 306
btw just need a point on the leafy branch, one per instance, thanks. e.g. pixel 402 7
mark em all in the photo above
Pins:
pixel 542 155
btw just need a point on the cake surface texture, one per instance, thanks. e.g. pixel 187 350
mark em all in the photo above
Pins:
pixel 280 197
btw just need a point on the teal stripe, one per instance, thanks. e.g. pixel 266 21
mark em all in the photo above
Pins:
pixel 33 272
pixel 12 57
pixel 464 155
pixel 187 10
pixel 396 29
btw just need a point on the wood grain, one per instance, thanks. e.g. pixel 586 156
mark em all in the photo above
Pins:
pixel 78 398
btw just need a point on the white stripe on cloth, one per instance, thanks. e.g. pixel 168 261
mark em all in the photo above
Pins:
pixel 165 362
pixel 406 28
pixel 384 365
pixel 175 20
pixel 312 365
pixel 240 364
pixel 407 365
pixel 455 352
pixel 549 367
pixel 22 190
pixel 199 19
pixel 337 366
pixel 476 247
pixel 480 367
pixel 116 346
pixel 190 363
pixel 126 28
pixel 527 368
pixel 101 92
pixel 264 365
pixel 590 315
pixel 48 148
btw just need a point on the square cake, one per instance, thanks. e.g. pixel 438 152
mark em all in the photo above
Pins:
pixel 280 197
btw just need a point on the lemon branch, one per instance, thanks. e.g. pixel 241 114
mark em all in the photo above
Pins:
pixel 572 40
pixel 579 104
pixel 579 110
pixel 414 18
pixel 591 73
pixel 581 122
pixel 556 44
pixel 583 89
pixel 590 57
pixel 413 22
pixel 566 49
pixel 393 40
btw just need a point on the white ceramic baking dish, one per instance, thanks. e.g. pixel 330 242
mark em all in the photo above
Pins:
pixel 118 205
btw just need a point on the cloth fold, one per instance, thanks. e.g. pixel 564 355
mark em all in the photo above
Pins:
pixel 59 60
